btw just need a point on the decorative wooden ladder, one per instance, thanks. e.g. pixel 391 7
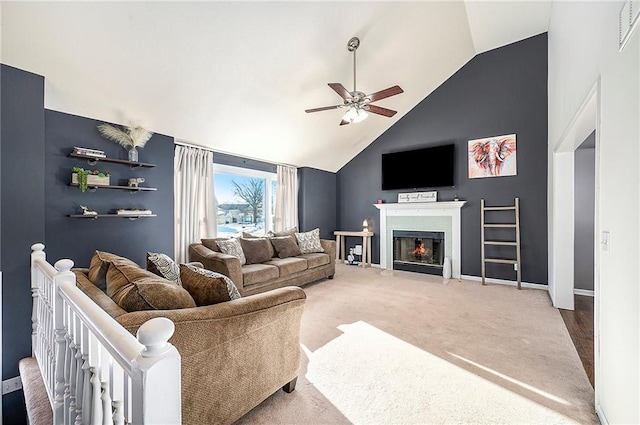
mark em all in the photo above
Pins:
pixel 516 226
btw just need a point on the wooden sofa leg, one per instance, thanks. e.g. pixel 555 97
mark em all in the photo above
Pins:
pixel 330 277
pixel 290 386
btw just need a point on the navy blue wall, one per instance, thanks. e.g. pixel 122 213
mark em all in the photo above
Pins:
pixel 78 238
pixel 499 92
pixel 317 201
pixel 22 220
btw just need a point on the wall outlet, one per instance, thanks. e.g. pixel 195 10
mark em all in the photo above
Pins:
pixel 358 250
pixel 11 385
pixel 515 267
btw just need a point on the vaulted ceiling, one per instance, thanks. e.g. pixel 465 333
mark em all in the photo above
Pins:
pixel 237 76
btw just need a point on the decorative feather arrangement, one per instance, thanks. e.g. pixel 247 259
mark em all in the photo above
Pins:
pixel 131 137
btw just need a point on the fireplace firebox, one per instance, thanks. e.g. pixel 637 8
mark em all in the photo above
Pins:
pixel 418 251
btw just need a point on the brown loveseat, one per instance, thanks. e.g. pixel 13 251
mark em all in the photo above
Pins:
pixel 275 273
pixel 234 354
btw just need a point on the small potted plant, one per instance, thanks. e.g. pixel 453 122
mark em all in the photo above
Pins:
pixel 83 178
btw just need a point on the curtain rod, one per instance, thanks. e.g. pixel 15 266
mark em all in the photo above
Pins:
pixel 191 145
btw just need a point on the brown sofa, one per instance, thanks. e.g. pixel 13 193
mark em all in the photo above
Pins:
pixel 275 273
pixel 234 354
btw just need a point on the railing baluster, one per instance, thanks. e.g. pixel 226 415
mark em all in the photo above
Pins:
pixel 107 415
pixel 118 413
pixel 96 401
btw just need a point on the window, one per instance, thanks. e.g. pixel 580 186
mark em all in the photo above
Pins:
pixel 245 199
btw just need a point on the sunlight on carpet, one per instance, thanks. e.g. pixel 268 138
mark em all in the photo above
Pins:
pixel 372 377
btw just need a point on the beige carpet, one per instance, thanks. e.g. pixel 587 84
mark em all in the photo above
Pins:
pixel 383 347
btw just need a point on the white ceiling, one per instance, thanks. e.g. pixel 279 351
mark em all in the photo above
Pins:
pixel 237 76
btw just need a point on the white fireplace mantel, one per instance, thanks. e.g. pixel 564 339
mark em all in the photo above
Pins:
pixel 422 209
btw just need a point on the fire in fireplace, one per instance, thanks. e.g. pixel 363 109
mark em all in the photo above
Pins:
pixel 418 251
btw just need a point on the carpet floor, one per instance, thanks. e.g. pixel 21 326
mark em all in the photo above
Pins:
pixel 388 347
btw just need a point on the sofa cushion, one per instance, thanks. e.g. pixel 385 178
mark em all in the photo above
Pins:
pixel 289 265
pixel 212 244
pixel 256 250
pixel 285 246
pixel 232 247
pixel 135 289
pixel 163 266
pixel 258 273
pixel 100 264
pixel 205 290
pixel 309 242
pixel 288 232
pixel 234 294
pixel 246 235
pixel 316 260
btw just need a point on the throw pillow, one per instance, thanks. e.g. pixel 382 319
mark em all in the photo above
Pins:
pixel 212 244
pixel 163 266
pixel 233 247
pixel 100 264
pixel 207 288
pixel 309 242
pixel 285 246
pixel 288 232
pixel 136 289
pixel 256 250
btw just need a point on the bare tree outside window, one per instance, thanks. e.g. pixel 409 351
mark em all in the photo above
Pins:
pixel 252 192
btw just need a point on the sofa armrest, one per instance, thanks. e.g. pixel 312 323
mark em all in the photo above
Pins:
pixel 199 329
pixel 329 247
pixel 218 262
pixel 234 354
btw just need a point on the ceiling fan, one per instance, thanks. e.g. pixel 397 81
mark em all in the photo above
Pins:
pixel 357 103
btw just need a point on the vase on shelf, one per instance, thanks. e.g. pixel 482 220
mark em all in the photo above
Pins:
pixel 133 155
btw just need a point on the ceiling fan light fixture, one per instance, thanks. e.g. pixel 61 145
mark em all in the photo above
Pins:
pixel 355 114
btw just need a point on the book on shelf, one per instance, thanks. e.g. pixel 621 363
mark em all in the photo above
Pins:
pixel 133 212
pixel 89 152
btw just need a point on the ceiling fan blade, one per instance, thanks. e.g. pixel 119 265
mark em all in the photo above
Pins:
pixel 382 94
pixel 341 90
pixel 343 122
pixel 324 108
pixel 380 110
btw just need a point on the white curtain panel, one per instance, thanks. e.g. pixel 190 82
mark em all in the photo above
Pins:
pixel 286 198
pixel 195 200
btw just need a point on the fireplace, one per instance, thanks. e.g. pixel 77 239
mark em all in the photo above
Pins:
pixel 418 251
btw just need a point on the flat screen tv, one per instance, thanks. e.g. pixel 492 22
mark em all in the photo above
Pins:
pixel 419 168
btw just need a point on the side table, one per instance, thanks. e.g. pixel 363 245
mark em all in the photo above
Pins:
pixel 366 245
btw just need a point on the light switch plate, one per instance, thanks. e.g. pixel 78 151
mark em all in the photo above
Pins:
pixel 605 241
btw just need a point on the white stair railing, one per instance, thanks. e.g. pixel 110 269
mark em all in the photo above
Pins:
pixel 95 371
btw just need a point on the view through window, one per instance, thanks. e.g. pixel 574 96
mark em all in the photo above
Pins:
pixel 246 200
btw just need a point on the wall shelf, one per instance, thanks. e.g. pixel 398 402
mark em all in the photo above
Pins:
pixel 95 217
pixel 92 160
pixel 92 188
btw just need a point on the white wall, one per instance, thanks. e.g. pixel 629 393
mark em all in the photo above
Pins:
pixel 583 46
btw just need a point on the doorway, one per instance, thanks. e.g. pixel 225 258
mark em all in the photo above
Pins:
pixel 574 251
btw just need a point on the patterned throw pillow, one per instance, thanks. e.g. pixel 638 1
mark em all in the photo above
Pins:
pixel 233 247
pixel 164 266
pixel 234 294
pixel 309 242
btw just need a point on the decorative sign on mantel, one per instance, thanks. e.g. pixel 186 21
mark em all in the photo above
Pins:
pixel 418 197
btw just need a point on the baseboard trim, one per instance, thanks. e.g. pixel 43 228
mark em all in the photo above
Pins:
pixel 585 292
pixel 601 416
pixel 506 282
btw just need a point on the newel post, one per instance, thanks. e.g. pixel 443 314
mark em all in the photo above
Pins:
pixel 37 253
pixel 64 275
pixel 156 378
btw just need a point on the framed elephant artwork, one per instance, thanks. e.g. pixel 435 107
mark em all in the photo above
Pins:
pixel 492 157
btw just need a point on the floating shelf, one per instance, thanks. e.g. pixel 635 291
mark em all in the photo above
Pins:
pixel 92 160
pixel 95 217
pixel 92 188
